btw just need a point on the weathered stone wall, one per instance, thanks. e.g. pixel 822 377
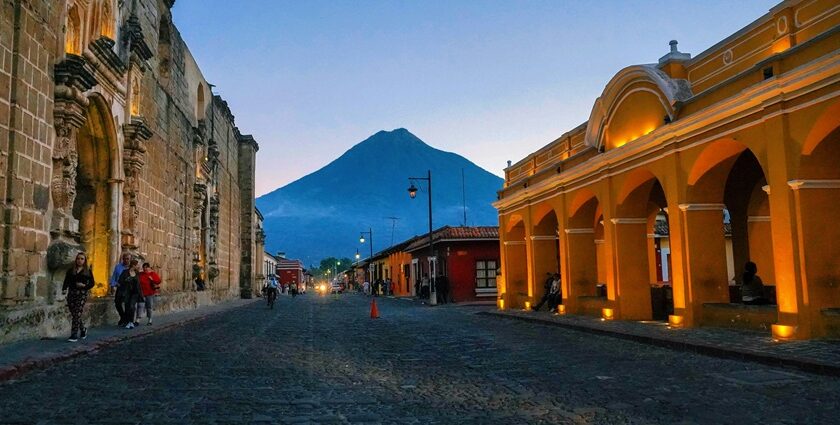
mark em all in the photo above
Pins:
pixel 112 144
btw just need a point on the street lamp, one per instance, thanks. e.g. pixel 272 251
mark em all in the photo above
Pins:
pixel 412 192
pixel 357 254
pixel 362 240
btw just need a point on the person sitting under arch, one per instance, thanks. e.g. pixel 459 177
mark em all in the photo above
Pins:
pixel 752 288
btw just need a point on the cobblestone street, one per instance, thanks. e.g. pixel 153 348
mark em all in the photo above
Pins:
pixel 320 359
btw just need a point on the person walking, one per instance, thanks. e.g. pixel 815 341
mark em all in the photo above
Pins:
pixel 424 286
pixel 546 290
pixel 114 283
pixel 77 282
pixel 149 286
pixel 129 292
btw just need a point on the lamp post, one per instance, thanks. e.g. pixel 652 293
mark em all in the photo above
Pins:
pixel 370 259
pixel 412 192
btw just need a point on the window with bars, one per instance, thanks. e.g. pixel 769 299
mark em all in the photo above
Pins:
pixel 485 273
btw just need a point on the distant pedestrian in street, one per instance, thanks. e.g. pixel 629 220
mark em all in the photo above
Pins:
pixel 546 290
pixel 114 283
pixel 554 297
pixel 149 286
pixel 77 282
pixel 388 284
pixel 129 292
pixel 366 288
pixel 752 288
pixel 424 286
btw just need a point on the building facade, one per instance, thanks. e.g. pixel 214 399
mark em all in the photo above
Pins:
pixel 289 271
pixel 468 257
pixel 739 142
pixel 112 141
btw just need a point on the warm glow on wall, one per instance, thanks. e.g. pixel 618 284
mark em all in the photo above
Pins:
pixel 676 321
pixel 783 332
pixel 607 314
pixel 501 304
pixel 561 309
pixel 527 305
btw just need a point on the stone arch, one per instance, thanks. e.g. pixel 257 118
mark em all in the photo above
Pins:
pixel 73 36
pixel 545 242
pixel 94 203
pixel 200 106
pixel 643 248
pixel 584 249
pixel 652 87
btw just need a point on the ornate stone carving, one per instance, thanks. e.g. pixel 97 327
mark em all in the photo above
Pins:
pixel 73 77
pixel 103 49
pixel 134 158
pixel 213 231
pixel 135 40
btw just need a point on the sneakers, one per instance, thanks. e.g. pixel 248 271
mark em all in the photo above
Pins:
pixel 84 333
pixel 149 323
pixel 129 325
pixel 72 338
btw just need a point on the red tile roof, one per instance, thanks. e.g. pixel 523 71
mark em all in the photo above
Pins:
pixel 457 233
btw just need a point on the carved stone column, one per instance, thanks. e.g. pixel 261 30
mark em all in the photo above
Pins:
pixel 73 77
pixel 213 232
pixel 134 158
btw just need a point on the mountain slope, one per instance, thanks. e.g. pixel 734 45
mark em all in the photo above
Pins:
pixel 323 213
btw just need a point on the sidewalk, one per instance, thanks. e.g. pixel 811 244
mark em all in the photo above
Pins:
pixel 20 357
pixel 814 356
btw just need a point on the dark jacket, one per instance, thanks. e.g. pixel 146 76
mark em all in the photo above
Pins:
pixel 129 286
pixel 71 278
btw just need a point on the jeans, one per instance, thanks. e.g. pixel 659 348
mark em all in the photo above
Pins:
pixel 119 303
pixel 150 305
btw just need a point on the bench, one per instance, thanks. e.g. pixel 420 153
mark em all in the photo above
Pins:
pixel 740 316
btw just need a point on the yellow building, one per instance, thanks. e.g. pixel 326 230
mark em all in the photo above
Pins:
pixel 734 153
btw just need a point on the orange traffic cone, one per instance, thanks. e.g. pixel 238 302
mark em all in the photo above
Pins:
pixel 374 312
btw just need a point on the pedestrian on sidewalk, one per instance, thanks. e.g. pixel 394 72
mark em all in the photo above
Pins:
pixel 129 292
pixel 149 287
pixel 114 283
pixel 546 290
pixel 77 282
pixel 424 286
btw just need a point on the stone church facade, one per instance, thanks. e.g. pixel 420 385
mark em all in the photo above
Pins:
pixel 112 141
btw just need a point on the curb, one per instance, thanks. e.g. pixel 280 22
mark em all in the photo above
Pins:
pixel 699 348
pixel 28 365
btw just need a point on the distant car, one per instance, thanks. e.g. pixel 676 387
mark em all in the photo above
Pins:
pixel 336 288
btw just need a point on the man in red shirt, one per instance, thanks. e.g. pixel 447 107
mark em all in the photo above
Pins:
pixel 149 286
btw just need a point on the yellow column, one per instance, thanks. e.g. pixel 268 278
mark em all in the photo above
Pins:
pixel 631 275
pixel 581 270
pixel 704 250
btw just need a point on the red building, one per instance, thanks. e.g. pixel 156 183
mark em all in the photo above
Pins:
pixel 467 256
pixel 289 271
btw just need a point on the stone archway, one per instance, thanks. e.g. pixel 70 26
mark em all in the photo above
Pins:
pixel 94 205
pixel 584 249
pixel 546 251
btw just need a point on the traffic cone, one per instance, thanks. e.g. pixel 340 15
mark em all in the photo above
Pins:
pixel 374 312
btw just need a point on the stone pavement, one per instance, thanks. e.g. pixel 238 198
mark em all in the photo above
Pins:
pixel 22 356
pixel 811 356
pixel 321 359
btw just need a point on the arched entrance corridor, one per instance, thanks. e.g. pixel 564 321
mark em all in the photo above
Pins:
pixel 642 239
pixel 93 206
pixel 728 224
pixel 516 264
pixel 546 252
pixel 586 255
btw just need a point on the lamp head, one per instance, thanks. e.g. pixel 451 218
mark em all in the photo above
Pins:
pixel 412 190
pixel 361 239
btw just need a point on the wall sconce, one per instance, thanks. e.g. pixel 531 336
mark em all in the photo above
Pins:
pixel 676 321
pixel 607 314
pixel 783 332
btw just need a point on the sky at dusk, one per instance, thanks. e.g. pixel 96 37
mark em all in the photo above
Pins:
pixel 490 80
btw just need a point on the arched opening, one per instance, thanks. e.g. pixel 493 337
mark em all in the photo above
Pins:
pixel 643 249
pixel 73 37
pixel 586 254
pixel 93 206
pixel 516 264
pixel 107 24
pixel 546 252
pixel 817 195
pixel 199 102
pixel 164 40
pixel 730 189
